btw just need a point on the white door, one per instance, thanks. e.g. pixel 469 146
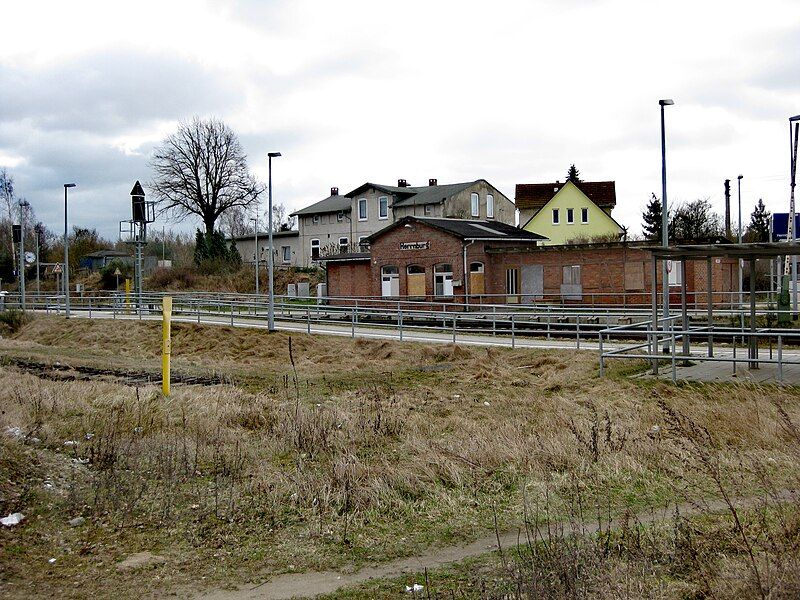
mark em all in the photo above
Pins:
pixel 390 285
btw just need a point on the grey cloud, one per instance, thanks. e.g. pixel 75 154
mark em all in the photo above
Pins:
pixel 117 91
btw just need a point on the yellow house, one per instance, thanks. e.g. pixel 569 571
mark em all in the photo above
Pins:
pixel 568 212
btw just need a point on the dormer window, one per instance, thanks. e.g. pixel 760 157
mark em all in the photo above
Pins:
pixel 315 219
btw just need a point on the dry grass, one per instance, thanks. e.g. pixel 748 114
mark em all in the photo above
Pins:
pixel 364 450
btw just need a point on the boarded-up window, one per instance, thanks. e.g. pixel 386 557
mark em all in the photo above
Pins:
pixel 571 275
pixel 634 276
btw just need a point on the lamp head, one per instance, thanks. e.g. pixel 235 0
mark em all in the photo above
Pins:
pixel 70 185
pixel 666 102
pixel 740 177
pixel 273 154
pixel 794 118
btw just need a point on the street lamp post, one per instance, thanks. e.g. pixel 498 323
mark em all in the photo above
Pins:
pixel 23 206
pixel 792 176
pixel 741 279
pixel 256 255
pixel 271 312
pixel 66 253
pixel 664 210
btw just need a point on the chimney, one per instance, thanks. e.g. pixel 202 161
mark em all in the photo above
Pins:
pixel 402 183
pixel 334 191
pixel 433 182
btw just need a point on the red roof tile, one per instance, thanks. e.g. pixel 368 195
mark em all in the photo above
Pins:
pixel 536 195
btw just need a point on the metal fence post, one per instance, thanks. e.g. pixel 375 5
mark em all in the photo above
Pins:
pixel 734 355
pixel 513 333
pixel 674 378
pixel 353 323
pixel 494 320
pixel 308 319
pixel 198 315
pixel 455 316
pixel 548 322
pixel 780 358
pixel 400 320
pixel 602 358
pixel 578 332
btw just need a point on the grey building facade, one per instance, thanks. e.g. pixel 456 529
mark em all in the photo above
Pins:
pixel 341 223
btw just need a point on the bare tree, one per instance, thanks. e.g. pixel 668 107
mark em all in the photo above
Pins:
pixel 235 222
pixel 281 221
pixel 201 170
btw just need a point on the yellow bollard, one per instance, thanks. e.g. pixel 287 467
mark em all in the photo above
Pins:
pixel 166 343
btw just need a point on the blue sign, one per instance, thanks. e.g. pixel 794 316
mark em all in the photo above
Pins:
pixel 780 226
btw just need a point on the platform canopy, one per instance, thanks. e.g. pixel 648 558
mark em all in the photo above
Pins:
pixel 743 251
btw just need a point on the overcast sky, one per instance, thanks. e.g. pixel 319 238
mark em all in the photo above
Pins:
pixel 512 92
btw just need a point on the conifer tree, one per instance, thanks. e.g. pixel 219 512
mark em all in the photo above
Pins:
pixel 651 219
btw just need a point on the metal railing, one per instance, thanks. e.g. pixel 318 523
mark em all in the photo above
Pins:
pixel 711 343
pixel 499 324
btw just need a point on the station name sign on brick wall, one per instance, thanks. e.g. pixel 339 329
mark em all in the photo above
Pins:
pixel 414 245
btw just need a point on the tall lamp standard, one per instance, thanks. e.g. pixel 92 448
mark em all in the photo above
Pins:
pixel 792 223
pixel 271 311
pixel 256 256
pixel 23 213
pixel 66 253
pixel 664 210
pixel 741 287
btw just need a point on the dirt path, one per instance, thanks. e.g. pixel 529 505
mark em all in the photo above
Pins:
pixel 308 585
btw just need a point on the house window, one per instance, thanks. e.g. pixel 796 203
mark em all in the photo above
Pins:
pixel 339 216
pixel 362 209
pixel 512 282
pixel 555 216
pixel 429 209
pixel 489 206
pixel 570 216
pixel 286 253
pixel 390 281
pixel 314 249
pixel 443 280
pixel 315 219
pixel 475 204
pixel 383 207
pixel 584 215
pixel 344 243
pixel 361 241
pixel 571 275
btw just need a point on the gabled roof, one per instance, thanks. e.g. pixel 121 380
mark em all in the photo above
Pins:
pixel 536 195
pixel 466 229
pixel 263 235
pixel 330 204
pixel 416 195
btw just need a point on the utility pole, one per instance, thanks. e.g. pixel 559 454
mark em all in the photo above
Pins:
pixel 664 212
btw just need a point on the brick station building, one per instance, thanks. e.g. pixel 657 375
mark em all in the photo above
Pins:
pixel 478 261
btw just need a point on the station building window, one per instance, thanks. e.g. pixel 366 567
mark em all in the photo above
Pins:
pixel 415 281
pixel 443 279
pixel 390 281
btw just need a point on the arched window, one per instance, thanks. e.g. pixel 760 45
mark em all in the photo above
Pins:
pixel 415 281
pixel 390 281
pixel 443 279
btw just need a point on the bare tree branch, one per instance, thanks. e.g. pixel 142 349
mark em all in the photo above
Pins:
pixel 201 170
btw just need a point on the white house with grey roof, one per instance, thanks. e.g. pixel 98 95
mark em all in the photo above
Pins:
pixel 341 223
